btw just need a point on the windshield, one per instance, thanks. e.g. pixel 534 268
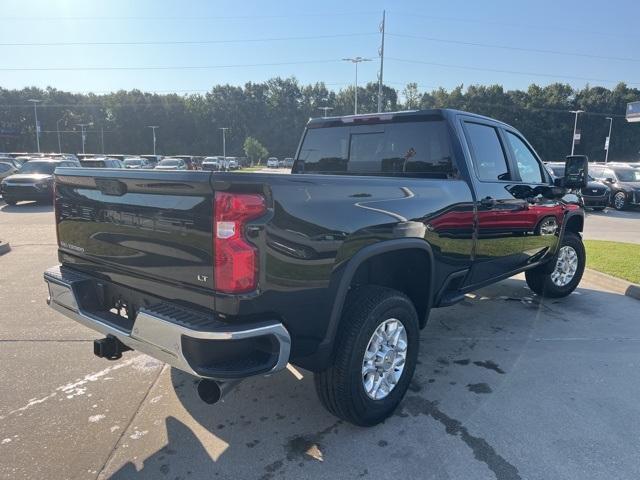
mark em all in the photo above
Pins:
pixel 625 175
pixel 170 163
pixel 46 168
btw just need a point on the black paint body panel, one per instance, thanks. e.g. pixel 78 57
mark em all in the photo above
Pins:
pixel 152 231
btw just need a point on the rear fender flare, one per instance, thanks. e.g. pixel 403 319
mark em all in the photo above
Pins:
pixel 341 281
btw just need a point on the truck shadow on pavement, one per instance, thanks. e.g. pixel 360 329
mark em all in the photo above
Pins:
pixel 489 368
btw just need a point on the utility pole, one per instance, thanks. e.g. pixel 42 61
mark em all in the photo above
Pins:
pixel 84 135
pixel 224 145
pixel 381 54
pixel 356 61
pixel 153 127
pixel 607 143
pixel 325 110
pixel 35 113
pixel 575 127
pixel 58 132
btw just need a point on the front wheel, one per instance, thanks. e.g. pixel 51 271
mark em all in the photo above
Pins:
pixel 620 201
pixel 567 273
pixel 376 352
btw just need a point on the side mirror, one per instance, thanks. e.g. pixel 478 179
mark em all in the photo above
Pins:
pixel 576 172
pixel 609 180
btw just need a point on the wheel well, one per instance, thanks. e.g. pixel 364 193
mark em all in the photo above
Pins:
pixel 575 224
pixel 407 271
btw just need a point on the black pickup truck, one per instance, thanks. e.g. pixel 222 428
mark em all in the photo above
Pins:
pixel 333 268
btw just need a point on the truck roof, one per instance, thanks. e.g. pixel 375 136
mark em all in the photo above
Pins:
pixel 391 116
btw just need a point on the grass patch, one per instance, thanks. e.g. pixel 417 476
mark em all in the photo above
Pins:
pixel 251 169
pixel 614 258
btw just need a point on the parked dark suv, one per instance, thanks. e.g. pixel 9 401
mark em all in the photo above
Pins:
pixel 595 195
pixel 623 181
pixel 34 181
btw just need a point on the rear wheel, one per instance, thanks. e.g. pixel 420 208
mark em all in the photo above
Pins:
pixel 376 353
pixel 620 201
pixel 567 273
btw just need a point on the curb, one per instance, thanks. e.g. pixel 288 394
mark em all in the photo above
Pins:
pixel 615 284
pixel 4 248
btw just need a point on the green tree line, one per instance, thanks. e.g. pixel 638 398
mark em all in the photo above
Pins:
pixel 275 112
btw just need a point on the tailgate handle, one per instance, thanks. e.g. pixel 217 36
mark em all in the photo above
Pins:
pixel 110 186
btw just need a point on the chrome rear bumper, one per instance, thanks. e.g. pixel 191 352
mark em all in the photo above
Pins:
pixel 157 335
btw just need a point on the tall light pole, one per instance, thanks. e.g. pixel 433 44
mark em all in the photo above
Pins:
pixel 153 128
pixel 607 144
pixel 356 61
pixel 381 54
pixel 58 132
pixel 325 110
pixel 224 145
pixel 35 113
pixel 575 127
pixel 84 134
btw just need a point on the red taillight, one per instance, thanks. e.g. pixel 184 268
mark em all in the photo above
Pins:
pixel 235 266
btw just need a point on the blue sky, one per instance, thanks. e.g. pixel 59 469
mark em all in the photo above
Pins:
pixel 591 31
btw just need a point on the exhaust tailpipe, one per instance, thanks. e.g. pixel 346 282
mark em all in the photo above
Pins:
pixel 212 392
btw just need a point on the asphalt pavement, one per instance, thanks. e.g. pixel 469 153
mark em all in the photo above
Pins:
pixel 610 224
pixel 509 386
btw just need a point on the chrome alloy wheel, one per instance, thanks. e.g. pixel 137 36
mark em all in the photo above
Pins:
pixel 566 266
pixel 384 359
pixel 619 200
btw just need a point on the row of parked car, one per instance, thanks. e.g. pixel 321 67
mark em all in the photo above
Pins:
pixel 30 177
pixel 615 184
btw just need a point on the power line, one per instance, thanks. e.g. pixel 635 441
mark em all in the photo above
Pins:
pixel 185 42
pixel 199 17
pixel 519 49
pixel 164 67
pixel 514 72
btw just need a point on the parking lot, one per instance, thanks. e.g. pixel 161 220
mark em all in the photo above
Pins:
pixel 508 387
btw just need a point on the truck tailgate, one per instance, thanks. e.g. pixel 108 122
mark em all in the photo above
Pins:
pixel 145 222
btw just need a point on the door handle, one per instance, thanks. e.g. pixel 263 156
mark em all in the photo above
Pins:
pixel 488 202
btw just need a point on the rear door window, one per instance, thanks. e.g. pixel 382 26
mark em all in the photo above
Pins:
pixel 488 155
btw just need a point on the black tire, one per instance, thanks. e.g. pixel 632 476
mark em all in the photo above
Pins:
pixel 539 279
pixel 619 201
pixel 340 387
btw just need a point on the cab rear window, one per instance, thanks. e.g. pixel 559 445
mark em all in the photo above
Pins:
pixel 390 149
